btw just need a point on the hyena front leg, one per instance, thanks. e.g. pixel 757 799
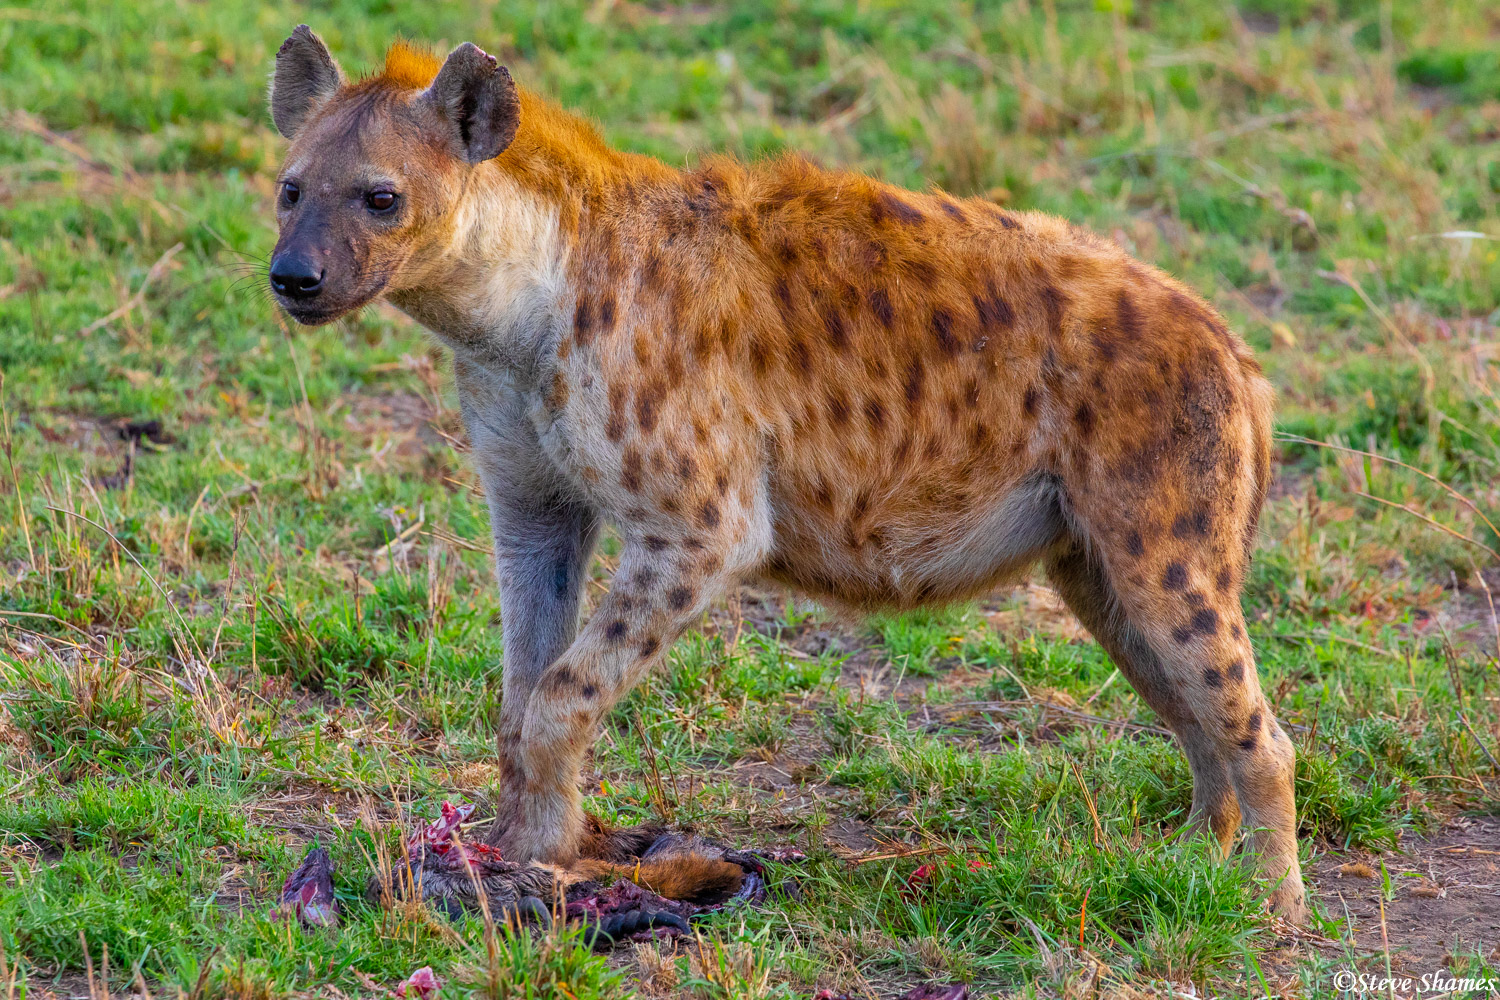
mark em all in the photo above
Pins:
pixel 542 556
pixel 665 579
pixel 544 535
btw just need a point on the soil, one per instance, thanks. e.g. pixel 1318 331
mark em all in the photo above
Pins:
pixel 1444 900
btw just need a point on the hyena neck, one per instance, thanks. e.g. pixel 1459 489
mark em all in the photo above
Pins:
pixel 500 291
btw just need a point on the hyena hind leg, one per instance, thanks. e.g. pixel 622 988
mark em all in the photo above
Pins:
pixel 1080 578
pixel 1180 639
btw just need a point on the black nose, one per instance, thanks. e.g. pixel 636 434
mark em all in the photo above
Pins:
pixel 296 277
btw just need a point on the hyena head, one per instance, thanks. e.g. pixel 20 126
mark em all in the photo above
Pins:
pixel 366 196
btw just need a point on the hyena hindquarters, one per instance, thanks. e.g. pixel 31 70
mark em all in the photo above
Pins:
pixel 1134 468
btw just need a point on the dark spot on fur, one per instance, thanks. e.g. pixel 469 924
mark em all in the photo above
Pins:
pixel 880 305
pixel 630 470
pixel 914 375
pixel 861 505
pixel 993 311
pixel 1175 578
pixel 708 514
pixel 1252 730
pixel 1055 303
pixel 784 298
pixel 953 210
pixel 1127 317
pixel 1225 580
pixel 1213 678
pixel 1195 599
pixel 616 630
pixel 760 355
pixel 1190 525
pixel 655 542
pixel 607 313
pixel 822 494
pixel 836 327
pixel 645 406
pixel 614 428
pixel 1083 417
pixel 583 322
pixel 1134 545
pixel 588 691
pixel 1235 671
pixel 838 408
pixel 798 357
pixel 888 206
pixel 942 329
pixel 650 646
pixel 1029 400
pixel 679 598
pixel 875 414
pixel 1205 622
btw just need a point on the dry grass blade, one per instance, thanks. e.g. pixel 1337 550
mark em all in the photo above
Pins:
pixel 186 632
pixel 1455 494
pixel 1088 800
pixel 139 298
pixel 203 682
pixel 10 461
pixel 665 808
pixel 10 975
pixel 1435 523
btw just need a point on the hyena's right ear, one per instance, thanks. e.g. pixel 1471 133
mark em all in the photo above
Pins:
pixel 476 101
pixel 305 77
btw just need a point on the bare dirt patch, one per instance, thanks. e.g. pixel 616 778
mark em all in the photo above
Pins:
pixel 1444 896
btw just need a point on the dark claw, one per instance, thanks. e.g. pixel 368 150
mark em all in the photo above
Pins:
pixel 529 906
pixel 527 909
pixel 616 927
pixel 448 907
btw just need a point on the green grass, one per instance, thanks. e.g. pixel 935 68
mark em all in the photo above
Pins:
pixel 280 626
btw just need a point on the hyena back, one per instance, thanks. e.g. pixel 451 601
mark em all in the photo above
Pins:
pixel 880 398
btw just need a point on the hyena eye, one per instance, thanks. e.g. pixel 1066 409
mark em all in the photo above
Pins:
pixel 290 192
pixel 381 201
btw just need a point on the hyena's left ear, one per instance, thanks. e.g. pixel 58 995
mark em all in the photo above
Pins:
pixel 305 77
pixel 476 103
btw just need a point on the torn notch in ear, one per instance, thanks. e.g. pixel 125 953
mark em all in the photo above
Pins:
pixel 305 77
pixel 476 101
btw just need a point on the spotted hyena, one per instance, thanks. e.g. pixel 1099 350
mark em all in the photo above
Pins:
pixel 881 398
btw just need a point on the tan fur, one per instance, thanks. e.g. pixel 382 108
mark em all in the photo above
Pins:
pixel 692 878
pixel 879 397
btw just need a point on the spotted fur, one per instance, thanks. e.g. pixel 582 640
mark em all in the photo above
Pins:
pixel 879 397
